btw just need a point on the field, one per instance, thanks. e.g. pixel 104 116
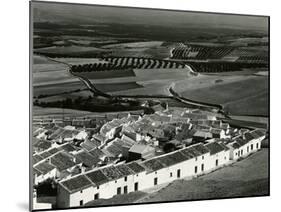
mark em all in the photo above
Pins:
pixel 73 50
pixel 150 49
pixel 239 94
pixel 57 112
pixel 248 177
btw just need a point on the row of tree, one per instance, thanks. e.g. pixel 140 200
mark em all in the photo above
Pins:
pixel 114 63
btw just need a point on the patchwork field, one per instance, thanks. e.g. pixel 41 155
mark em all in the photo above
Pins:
pixel 57 112
pixel 69 50
pixel 150 49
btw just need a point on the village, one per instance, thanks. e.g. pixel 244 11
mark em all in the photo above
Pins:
pixel 98 157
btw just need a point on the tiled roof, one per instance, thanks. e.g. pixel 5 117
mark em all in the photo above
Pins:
pixel 112 173
pixel 77 183
pixel 44 167
pixel 62 161
pixel 67 147
pixel 97 177
pixel 124 170
pixel 45 154
pixel 137 168
pixel 215 148
pixel 36 158
pixel 87 159
pixel 153 165
pixel 97 153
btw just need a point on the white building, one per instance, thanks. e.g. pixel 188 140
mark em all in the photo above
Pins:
pixel 113 180
pixel 243 146
pixel 42 172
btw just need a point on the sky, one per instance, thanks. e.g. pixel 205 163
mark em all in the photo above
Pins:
pixel 101 14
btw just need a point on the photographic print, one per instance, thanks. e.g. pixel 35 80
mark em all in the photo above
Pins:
pixel 138 105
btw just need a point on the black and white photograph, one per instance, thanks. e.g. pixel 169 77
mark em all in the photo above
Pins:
pixel 137 105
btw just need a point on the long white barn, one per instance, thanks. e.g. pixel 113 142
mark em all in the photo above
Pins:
pixel 188 162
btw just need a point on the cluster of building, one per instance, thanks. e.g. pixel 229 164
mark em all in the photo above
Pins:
pixel 134 152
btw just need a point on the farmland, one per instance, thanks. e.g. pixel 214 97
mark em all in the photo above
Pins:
pixel 148 61
pixel 240 95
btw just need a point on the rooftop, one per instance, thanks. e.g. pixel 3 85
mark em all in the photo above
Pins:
pixel 44 167
pixel 77 183
pixel 215 147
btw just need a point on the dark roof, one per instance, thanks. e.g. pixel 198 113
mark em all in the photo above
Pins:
pixel 90 144
pixel 43 144
pixel 62 161
pixel 77 183
pixel 137 168
pixel 45 154
pixel 36 158
pixel 171 159
pixel 124 170
pixel 240 141
pixel 97 153
pixel 67 147
pixel 187 153
pixel 248 136
pixel 114 149
pixel 112 173
pixel 153 165
pixel 259 132
pixel 97 177
pixel 215 147
pixel 36 172
pixel 201 148
pixel 87 159
pixel 53 150
pixel 44 167
pixel 235 145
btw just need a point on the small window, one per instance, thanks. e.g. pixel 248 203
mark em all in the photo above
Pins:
pixel 196 159
pixel 217 162
pixel 195 169
pixel 171 174
pixel 125 189
pixel 81 191
pixel 81 202
pixel 178 173
pixel 252 146
pixel 115 181
pixel 257 145
pixel 202 167
pixel 137 175
pixel 155 181
pixel 241 152
pixel 247 148
pixel 202 157
pixel 136 186
pixel 119 190
pixel 155 172
pixel 98 187
pixel 125 179
pixel 96 196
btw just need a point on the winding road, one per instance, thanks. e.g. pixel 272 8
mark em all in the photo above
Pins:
pixel 170 89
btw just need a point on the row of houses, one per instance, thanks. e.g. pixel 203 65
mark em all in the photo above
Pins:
pixel 188 162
